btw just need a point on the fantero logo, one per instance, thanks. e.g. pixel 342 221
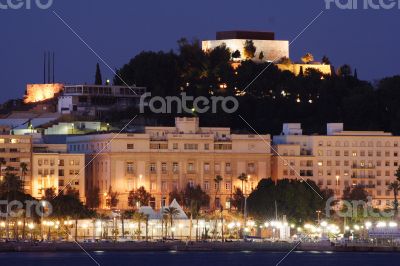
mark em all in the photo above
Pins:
pixel 25 4
pixel 187 104
pixel 363 4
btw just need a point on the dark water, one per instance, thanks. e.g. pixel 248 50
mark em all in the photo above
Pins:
pixel 201 258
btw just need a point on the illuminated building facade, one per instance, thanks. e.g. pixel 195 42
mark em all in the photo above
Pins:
pixel 162 159
pixel 339 159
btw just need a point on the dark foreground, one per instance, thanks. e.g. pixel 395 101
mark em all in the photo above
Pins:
pixel 173 258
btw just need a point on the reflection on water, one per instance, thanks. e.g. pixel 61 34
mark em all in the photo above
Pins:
pixel 200 258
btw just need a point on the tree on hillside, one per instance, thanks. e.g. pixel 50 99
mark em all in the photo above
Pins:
pixel 249 49
pixel 307 58
pixel 344 71
pixel 98 80
pixel 236 54
pixel 325 60
pixel 261 55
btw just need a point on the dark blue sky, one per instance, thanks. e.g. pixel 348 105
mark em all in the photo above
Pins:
pixel 119 29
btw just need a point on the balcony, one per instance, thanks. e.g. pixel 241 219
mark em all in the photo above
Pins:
pixel 355 166
pixel 362 176
pixel 365 185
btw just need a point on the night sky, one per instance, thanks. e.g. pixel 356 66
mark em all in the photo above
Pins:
pixel 119 29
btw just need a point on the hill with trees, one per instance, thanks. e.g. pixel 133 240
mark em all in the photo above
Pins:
pixel 275 97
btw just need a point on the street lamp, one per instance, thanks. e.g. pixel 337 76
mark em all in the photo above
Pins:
pixel 318 214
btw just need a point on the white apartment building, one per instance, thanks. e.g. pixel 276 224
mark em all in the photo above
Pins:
pixel 162 159
pixel 339 159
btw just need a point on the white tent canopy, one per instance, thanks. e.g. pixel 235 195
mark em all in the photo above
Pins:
pixel 147 210
pixel 182 215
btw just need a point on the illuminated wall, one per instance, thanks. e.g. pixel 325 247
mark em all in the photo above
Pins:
pixel 41 92
pixel 272 49
pixel 295 68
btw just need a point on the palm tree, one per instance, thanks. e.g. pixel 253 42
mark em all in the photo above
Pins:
pixel 2 162
pixel 398 174
pixel 24 170
pixel 242 177
pixel 395 187
pixel 128 214
pixel 171 213
pixel 217 180
pixel 140 217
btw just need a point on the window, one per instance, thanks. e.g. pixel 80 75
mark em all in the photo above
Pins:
pixel 285 172
pixel 222 146
pixel 129 167
pixel 164 167
pixel 164 185
pixel 251 167
pixel 152 168
pixel 72 172
pixel 60 172
pixel 191 183
pixel 158 146
pixel 228 185
pixel 190 146
pixel 175 167
pixel 228 168
pixel 206 167
pixel 175 146
pixel 206 185
pixel 130 146
pixel 190 167
pixel 61 162
pixel 206 146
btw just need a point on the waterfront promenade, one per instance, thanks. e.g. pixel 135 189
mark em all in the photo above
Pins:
pixel 192 246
